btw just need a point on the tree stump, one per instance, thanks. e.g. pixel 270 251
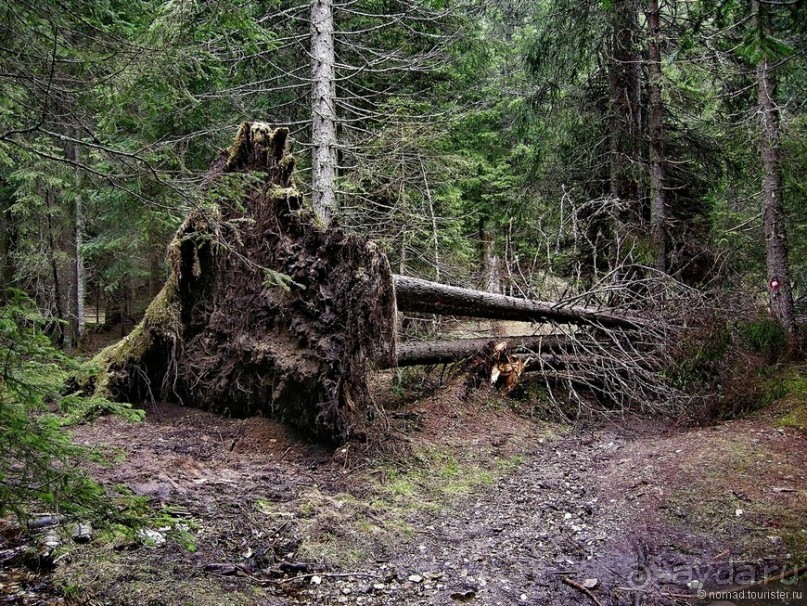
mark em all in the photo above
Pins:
pixel 265 311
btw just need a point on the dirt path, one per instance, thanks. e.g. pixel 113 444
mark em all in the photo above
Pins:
pixel 488 508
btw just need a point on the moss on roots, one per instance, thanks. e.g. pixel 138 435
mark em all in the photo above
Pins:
pixel 221 336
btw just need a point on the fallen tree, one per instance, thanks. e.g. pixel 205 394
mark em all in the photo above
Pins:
pixel 419 353
pixel 416 295
pixel 264 312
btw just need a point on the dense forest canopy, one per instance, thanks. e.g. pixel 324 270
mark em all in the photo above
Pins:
pixel 557 138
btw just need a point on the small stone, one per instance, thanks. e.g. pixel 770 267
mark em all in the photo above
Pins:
pixel 696 584
pixel 414 578
pixel 463 596
pixel 523 597
pixel 347 590
pixel 567 516
pixel 775 539
pixel 221 568
pixel 151 537
pixel 315 580
pixel 82 533
pixel 590 583
pixel 378 586
pixel 738 512
pixel 51 539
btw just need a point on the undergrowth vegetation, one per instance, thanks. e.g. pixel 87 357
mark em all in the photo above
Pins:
pixel 40 466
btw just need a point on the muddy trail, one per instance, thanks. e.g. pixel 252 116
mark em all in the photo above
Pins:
pixel 471 503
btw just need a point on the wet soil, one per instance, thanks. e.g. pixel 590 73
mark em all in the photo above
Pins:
pixel 470 503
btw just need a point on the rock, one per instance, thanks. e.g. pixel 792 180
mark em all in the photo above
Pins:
pixel 463 596
pixel 590 583
pixel 221 568
pixel 44 520
pixel 775 539
pixel 315 580
pixel 414 578
pixel 151 537
pixel 82 533
pixel 51 539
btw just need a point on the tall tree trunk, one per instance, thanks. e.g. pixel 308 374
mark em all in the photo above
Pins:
pixel 625 107
pixel 658 176
pixel 491 264
pixel 78 259
pixel 780 294
pixel 491 271
pixel 54 268
pixel 8 236
pixel 323 110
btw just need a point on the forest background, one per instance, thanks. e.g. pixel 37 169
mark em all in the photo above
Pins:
pixel 527 148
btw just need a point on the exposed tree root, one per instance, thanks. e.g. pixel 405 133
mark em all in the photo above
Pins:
pixel 264 312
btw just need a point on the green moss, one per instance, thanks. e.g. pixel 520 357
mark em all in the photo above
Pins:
pixel 345 531
pixel 797 419
pixel 287 163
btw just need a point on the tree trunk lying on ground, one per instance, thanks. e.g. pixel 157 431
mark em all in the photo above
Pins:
pixel 265 312
pixel 416 295
pixel 418 353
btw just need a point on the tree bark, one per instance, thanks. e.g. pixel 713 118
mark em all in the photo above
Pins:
pixel 55 274
pixel 421 353
pixel 490 263
pixel 658 177
pixel 416 295
pixel 78 239
pixel 625 107
pixel 323 110
pixel 8 236
pixel 491 270
pixel 780 294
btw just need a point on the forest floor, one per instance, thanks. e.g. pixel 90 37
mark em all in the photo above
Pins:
pixel 471 502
